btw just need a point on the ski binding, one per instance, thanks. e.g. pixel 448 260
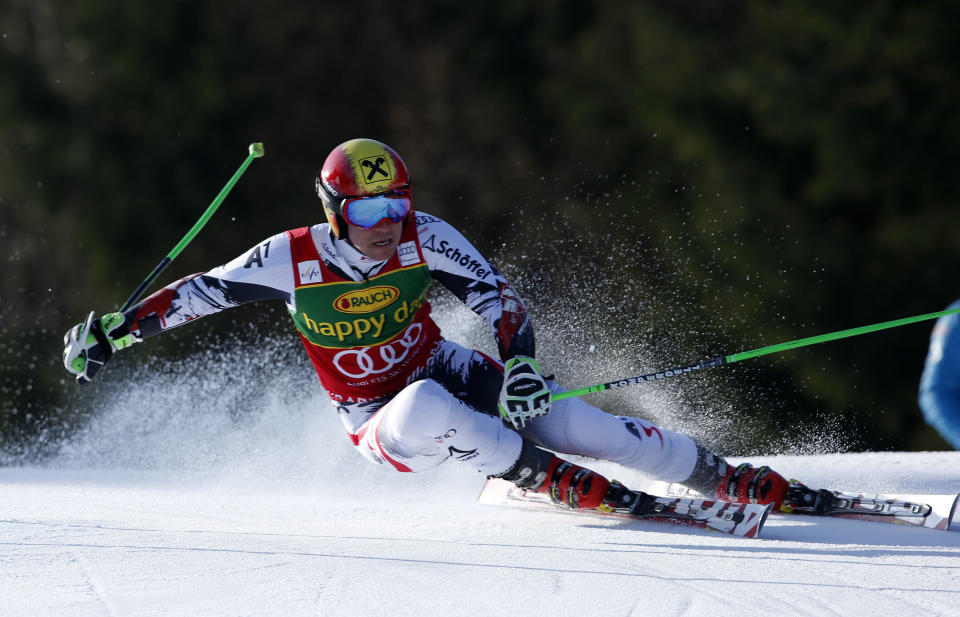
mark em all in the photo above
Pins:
pixel 929 511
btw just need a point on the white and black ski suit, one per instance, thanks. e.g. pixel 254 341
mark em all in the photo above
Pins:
pixel 408 398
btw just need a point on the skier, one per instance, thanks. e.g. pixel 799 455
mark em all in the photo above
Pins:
pixel 940 383
pixel 408 398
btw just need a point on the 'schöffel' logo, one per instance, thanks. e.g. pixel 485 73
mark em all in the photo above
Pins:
pixel 366 300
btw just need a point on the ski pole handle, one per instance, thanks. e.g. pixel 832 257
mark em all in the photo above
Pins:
pixel 255 151
pixel 762 351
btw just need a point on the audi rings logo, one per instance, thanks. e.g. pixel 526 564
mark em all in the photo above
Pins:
pixel 375 360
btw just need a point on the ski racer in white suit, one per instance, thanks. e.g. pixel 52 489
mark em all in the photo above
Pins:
pixel 409 399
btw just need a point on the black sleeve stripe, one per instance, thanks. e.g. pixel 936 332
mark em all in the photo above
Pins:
pixel 234 293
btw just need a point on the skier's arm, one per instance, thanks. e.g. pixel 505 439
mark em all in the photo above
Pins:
pixel 262 273
pixel 940 385
pixel 460 267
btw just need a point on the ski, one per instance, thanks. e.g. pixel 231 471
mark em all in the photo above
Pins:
pixel 929 511
pixel 736 519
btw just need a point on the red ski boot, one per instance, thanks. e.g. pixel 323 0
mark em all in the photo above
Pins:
pixel 713 476
pixel 567 484
pixel 748 484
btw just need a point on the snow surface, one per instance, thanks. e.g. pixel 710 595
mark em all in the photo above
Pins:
pixel 256 539
pixel 224 485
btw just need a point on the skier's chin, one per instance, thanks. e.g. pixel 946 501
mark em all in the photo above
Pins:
pixel 382 249
pixel 379 242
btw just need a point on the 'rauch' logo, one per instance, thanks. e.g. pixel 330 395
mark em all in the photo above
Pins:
pixel 366 300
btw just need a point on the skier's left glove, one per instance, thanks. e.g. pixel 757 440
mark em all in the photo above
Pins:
pixel 525 394
pixel 88 346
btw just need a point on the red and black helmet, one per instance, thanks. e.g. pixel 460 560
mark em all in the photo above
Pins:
pixel 358 168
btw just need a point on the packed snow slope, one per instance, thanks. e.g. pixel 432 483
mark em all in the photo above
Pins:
pixel 223 485
pixel 309 528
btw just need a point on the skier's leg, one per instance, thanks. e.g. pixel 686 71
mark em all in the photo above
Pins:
pixel 575 427
pixel 473 380
pixel 424 425
pixel 572 426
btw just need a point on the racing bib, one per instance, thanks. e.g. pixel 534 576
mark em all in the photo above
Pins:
pixel 365 338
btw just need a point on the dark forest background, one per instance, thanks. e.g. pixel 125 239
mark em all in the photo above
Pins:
pixel 695 178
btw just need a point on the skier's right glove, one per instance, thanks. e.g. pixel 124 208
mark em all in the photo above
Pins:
pixel 88 346
pixel 525 394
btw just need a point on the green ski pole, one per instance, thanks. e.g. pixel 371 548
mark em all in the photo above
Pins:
pixel 255 151
pixel 744 355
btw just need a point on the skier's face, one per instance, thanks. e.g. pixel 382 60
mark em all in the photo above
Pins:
pixel 378 242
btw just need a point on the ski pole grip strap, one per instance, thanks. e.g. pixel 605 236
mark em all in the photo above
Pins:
pixel 97 331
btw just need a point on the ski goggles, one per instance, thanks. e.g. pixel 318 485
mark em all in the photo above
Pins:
pixel 367 212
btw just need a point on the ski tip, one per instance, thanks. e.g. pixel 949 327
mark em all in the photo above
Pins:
pixel 754 524
pixel 762 521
